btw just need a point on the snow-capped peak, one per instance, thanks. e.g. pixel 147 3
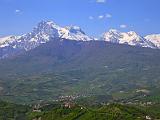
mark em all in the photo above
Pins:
pixel 74 33
pixel 154 38
pixel 43 24
pixel 51 29
pixel 113 31
pixel 130 38
pixel 42 33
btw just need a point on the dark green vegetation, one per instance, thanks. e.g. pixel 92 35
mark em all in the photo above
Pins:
pixel 111 112
pixel 56 111
pixel 81 69
pixel 9 111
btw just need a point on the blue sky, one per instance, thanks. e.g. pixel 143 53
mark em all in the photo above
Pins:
pixel 93 16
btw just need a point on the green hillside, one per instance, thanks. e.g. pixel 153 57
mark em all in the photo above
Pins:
pixel 81 69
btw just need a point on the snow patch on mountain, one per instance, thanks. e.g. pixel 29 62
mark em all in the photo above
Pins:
pixel 5 41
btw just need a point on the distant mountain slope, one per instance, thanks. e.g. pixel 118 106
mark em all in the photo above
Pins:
pixel 61 52
pixel 65 67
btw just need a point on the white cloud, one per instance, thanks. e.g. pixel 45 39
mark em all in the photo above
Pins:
pixel 105 16
pixel 123 26
pixel 108 15
pixel 91 17
pixel 100 1
pixel 17 11
pixel 101 16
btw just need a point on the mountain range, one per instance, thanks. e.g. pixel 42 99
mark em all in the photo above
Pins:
pixel 46 31
pixel 53 61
